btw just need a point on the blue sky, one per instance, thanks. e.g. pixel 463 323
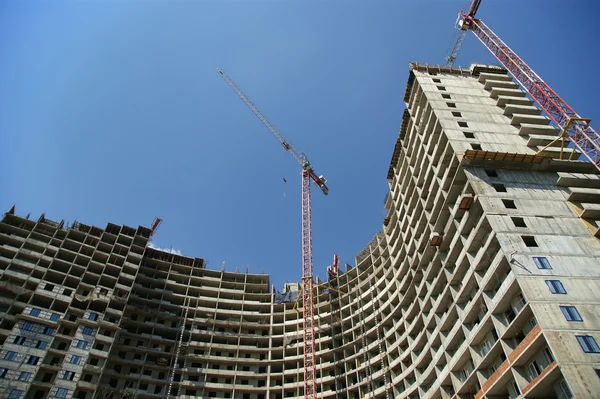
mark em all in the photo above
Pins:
pixel 113 112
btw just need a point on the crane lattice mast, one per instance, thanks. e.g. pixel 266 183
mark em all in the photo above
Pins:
pixel 308 174
pixel 576 128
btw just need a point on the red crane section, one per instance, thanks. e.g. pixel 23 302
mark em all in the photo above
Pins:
pixel 308 174
pixel 583 136
pixel 155 224
pixel 574 126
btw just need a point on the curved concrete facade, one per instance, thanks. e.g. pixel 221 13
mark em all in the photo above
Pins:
pixel 483 282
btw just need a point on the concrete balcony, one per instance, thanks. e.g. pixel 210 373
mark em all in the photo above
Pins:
pixel 527 129
pixel 502 375
pixel 579 194
pixel 518 119
pixel 505 84
pixel 541 386
pixel 506 100
pixel 503 91
pixel 485 76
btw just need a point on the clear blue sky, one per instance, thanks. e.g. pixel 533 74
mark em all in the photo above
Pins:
pixel 113 112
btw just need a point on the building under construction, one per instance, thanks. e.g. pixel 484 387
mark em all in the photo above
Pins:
pixel 483 283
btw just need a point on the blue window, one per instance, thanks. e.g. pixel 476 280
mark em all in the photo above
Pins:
pixel 93 316
pixel 3 372
pixel 10 355
pixel 556 287
pixel 54 317
pixel 34 312
pixel 571 313
pixel 19 340
pixel 68 375
pixel 87 331
pixel 33 360
pixel 62 393
pixel 48 330
pixel 81 344
pixel 588 344
pixel 75 359
pixel 27 326
pixel 542 262
pixel 24 376
pixel 41 345
pixel 15 394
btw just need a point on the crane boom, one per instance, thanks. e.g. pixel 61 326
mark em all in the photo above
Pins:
pixel 462 33
pixel 308 174
pixel 301 158
pixel 576 128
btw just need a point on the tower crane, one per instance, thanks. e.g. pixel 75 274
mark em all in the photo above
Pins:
pixel 573 126
pixel 308 174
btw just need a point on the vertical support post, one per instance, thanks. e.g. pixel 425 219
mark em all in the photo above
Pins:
pixel 310 383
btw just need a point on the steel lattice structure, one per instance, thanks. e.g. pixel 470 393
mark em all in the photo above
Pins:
pixel 308 174
pixel 583 136
pixel 576 128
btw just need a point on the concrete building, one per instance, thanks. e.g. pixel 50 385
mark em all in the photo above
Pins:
pixel 483 283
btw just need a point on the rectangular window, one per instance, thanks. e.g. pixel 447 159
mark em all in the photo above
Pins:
pixel 519 222
pixel 68 375
pixel 435 80
pixel 499 187
pixel 542 262
pixel 588 343
pixel 10 355
pixel 491 172
pixel 24 376
pixel 446 96
pixel 548 355
pixel 48 331
pixel 3 372
pixel 571 313
pixel 15 394
pixel 556 287
pixel 62 393
pixel 19 340
pixel 81 344
pixel 509 204
pixel 34 312
pixel 27 326
pixel 41 345
pixel 469 135
pixel 441 88
pixel 565 391
pixel 54 317
pixel 529 241
pixel 457 114
pixel 87 331
pixel 463 124
pixel 33 360
pixel 93 316
pixel 75 359
pixel 451 105
pixel 534 369
pixel 476 146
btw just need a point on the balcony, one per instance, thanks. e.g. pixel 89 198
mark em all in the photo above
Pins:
pixel 501 375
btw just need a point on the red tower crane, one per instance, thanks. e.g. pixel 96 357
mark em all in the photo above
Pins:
pixel 308 174
pixel 576 128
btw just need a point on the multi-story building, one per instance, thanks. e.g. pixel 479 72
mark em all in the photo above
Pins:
pixel 483 283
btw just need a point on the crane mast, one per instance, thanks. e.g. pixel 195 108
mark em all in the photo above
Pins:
pixel 308 174
pixel 576 128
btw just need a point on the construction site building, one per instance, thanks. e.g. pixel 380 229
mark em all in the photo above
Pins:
pixel 483 283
